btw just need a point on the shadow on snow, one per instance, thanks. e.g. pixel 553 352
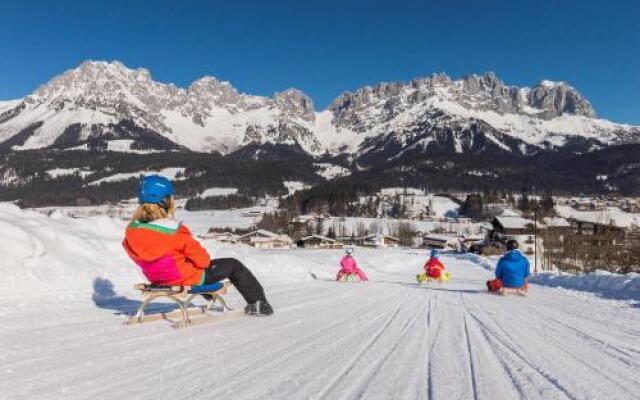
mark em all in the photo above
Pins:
pixel 104 296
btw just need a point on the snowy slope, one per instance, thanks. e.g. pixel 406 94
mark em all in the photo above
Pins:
pixel 387 339
pixel 102 100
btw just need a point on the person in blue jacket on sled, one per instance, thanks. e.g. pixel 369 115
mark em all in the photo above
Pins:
pixel 512 271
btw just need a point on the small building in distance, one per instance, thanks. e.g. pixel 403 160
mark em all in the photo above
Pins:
pixel 440 242
pixel 221 236
pixel 380 241
pixel 514 228
pixel 593 233
pixel 263 239
pixel 319 242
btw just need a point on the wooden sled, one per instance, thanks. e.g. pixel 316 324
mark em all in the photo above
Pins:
pixel 182 296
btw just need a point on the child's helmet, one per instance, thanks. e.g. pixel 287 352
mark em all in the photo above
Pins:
pixel 349 251
pixel 154 189
pixel 435 253
pixel 512 245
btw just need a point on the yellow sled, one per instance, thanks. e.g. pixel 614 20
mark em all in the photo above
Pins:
pixel 444 277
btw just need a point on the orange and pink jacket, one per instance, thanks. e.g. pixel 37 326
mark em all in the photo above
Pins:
pixel 166 252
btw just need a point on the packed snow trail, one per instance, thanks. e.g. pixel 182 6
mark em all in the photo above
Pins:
pixel 386 339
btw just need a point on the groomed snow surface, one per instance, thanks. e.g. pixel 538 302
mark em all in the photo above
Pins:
pixel 66 288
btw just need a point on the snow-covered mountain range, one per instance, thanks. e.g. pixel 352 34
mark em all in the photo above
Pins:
pixel 109 105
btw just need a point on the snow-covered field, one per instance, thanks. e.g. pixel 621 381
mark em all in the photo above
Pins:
pixel 171 173
pixel 67 287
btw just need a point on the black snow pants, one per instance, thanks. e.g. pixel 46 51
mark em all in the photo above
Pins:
pixel 238 274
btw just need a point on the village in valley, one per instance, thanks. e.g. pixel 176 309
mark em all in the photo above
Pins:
pixel 566 233
pixel 572 234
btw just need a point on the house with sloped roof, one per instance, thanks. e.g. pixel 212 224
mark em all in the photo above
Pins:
pixel 263 239
pixel 319 242
pixel 515 228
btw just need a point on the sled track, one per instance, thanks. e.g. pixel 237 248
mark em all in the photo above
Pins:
pixel 386 339
pixel 497 342
pixel 470 353
pixel 344 372
pixel 430 347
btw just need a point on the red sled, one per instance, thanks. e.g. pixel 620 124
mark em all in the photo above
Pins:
pixel 494 285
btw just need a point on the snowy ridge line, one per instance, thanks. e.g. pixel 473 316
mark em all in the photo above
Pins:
pixel 124 106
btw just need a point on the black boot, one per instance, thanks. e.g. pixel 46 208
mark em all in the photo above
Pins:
pixel 260 307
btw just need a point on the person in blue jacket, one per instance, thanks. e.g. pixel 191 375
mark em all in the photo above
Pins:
pixel 513 267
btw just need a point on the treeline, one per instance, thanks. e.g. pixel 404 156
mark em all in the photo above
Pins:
pixel 340 197
pixel 258 171
pixel 34 187
pixel 606 250
pixel 479 205
pixel 548 172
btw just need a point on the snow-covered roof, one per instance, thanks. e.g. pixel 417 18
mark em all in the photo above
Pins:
pixel 514 222
pixel 556 222
pixel 380 237
pixel 611 215
pixel 509 212
pixel 442 238
pixel 265 234
pixel 319 237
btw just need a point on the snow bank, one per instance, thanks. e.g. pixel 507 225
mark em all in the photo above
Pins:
pixel 488 263
pixel 598 281
pixel 627 286
pixel 59 254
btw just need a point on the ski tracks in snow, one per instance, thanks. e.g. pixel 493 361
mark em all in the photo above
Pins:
pixel 386 339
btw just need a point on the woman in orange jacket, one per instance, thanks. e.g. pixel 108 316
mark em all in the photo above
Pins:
pixel 168 254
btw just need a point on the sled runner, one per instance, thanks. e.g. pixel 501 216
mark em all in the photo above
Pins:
pixel 182 296
pixel 495 286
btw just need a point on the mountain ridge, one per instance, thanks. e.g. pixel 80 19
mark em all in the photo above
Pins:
pixel 97 98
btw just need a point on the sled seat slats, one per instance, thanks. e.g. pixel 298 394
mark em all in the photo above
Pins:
pixel 210 288
pixel 182 296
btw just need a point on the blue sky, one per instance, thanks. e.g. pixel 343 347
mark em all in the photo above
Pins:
pixel 326 47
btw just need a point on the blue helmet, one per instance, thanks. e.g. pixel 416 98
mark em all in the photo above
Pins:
pixel 154 189
pixel 435 253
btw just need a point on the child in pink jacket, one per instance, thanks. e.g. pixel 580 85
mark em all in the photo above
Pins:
pixel 349 266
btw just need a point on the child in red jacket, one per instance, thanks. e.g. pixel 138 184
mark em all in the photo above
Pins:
pixel 433 269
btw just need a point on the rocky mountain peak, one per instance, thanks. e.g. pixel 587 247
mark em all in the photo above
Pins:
pixel 108 100
pixel 294 102
pixel 214 92
pixel 558 98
